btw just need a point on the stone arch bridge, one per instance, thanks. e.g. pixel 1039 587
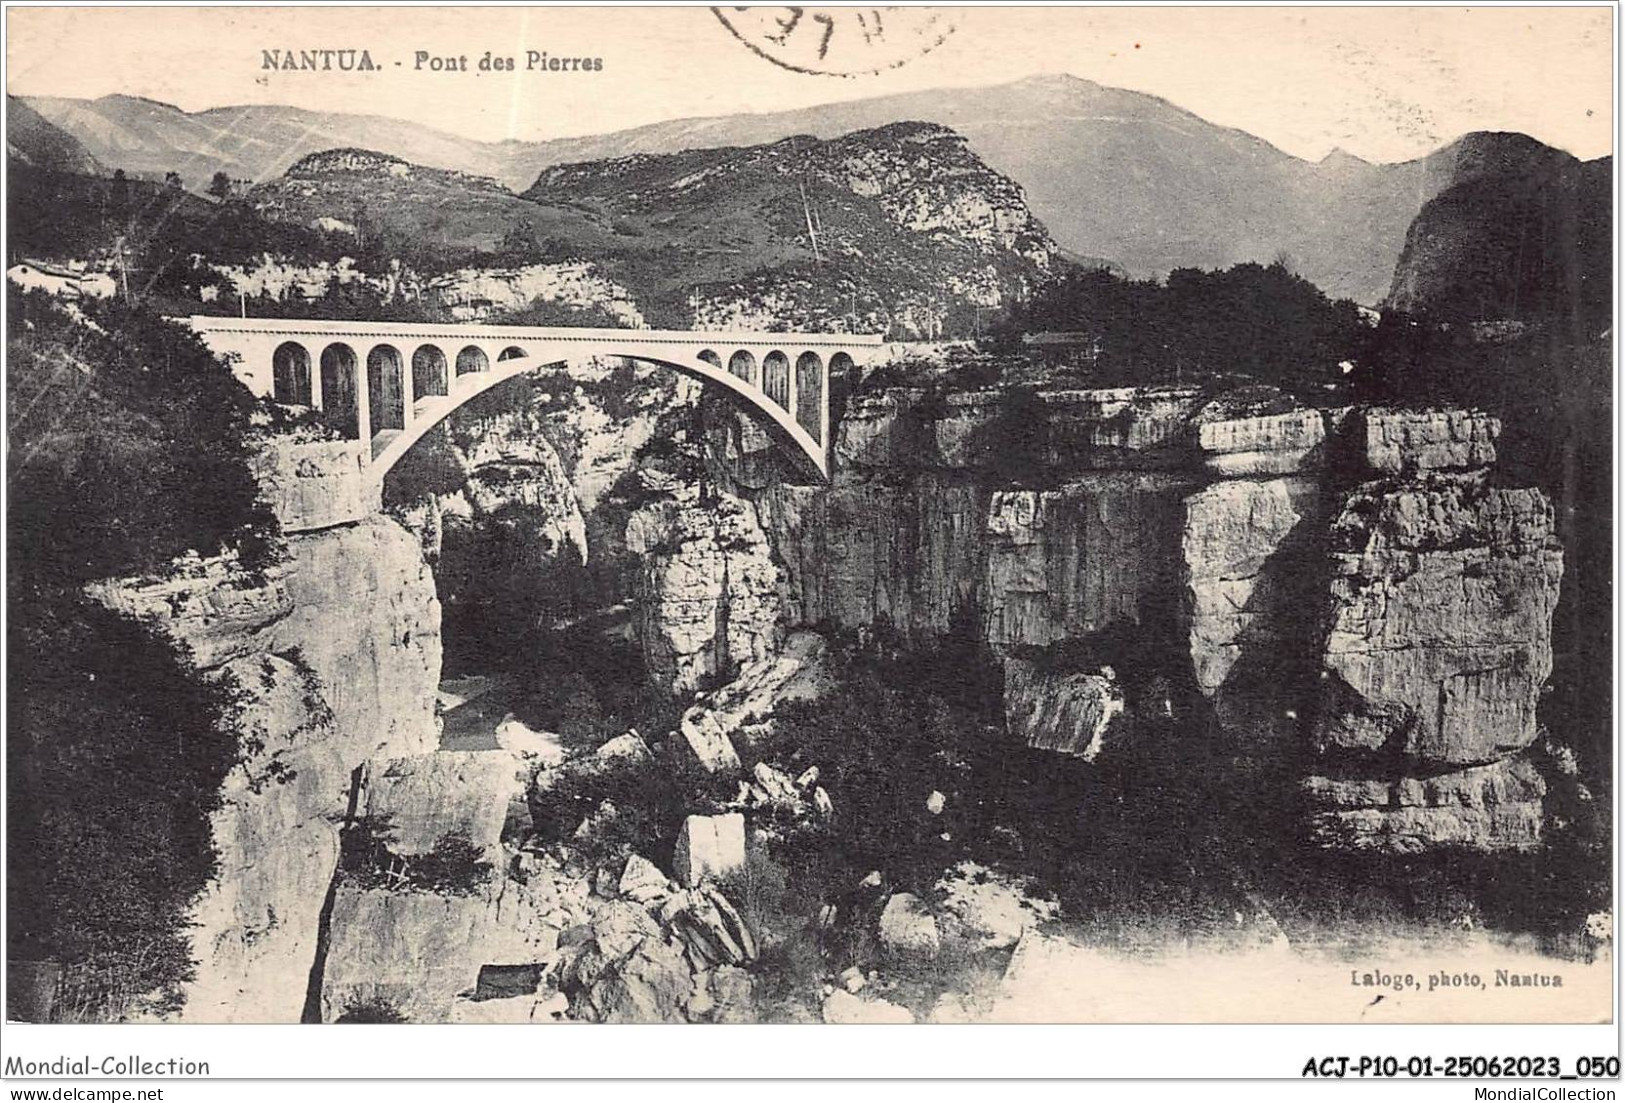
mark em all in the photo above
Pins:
pixel 388 383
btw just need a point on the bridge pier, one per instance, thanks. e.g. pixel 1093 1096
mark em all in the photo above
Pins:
pixel 409 390
pixel 791 371
pixel 314 366
pixel 363 412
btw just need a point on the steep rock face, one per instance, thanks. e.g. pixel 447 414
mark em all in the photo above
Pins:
pixel 513 502
pixel 258 923
pixel 212 609
pixel 1252 560
pixel 431 899
pixel 1347 622
pixel 281 277
pixel 600 420
pixel 415 952
pixel 1132 428
pixel 1220 525
pixel 335 655
pixel 1441 599
pixel 366 619
pixel 1493 807
pixel 913 531
pixel 1062 564
pixel 1117 428
pixel 517 540
pixel 867 552
pixel 472 294
pixel 708 599
pixel 1267 444
pixel 1070 714
pixel 1403 442
pixel 422 799
pixel 315 484
pixel 886 429
pixel 512 467
pixel 1440 639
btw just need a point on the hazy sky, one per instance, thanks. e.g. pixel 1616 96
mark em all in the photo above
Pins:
pixel 1384 83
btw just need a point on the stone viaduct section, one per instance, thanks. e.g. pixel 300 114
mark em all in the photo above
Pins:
pixel 387 383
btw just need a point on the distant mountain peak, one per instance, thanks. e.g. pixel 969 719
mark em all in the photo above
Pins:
pixel 1342 158
pixel 347 160
pixel 330 162
pixel 142 101
pixel 1057 80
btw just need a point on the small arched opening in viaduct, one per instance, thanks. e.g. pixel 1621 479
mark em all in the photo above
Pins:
pixel 742 365
pixel 472 359
pixel 428 371
pixel 776 378
pixel 810 394
pixel 290 374
pixel 385 389
pixel 341 399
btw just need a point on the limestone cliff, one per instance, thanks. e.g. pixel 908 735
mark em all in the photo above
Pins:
pixel 515 481
pixel 1251 571
pixel 1333 583
pixel 335 655
pixel 1347 594
pixel 467 294
pixel 412 944
pixel 708 600
pixel 1441 610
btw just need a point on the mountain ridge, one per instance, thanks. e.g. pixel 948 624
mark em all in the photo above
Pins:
pixel 1522 232
pixel 36 141
pixel 897 229
pixel 1124 176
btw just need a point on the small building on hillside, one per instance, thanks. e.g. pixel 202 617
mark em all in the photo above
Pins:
pixel 64 283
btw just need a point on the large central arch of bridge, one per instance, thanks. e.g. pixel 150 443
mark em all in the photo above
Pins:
pixel 388 383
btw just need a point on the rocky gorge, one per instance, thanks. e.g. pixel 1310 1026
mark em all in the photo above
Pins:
pixel 1161 606
pixel 1344 604
pixel 1346 588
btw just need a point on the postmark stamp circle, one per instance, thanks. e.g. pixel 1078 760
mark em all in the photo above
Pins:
pixel 838 42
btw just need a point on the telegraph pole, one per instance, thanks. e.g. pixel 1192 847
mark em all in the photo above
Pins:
pixel 123 270
pixel 812 234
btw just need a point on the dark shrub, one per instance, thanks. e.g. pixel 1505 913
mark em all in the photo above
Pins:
pixel 375 1010
pixel 115 754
